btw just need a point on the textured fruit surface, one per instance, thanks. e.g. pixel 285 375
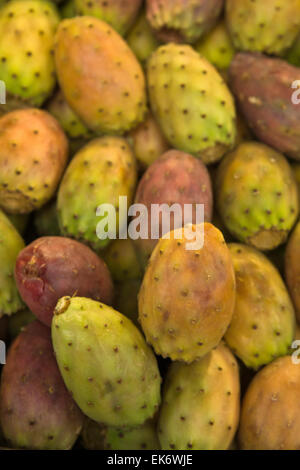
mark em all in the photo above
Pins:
pixel 52 267
pixel 100 173
pixel 175 178
pixel 122 261
pixel 263 322
pixel 201 403
pixel 270 26
pixel 33 155
pixel 191 102
pixel 46 220
pixel 141 39
pixel 270 416
pixel 98 437
pixel 18 321
pixel 263 88
pixel 217 47
pixel 36 410
pixel 127 299
pixel 11 243
pixel 182 21
pixel 202 279
pixel 292 268
pixel 105 362
pixel 27 39
pixel 112 99
pixel 148 142
pixel 257 195
pixel 120 14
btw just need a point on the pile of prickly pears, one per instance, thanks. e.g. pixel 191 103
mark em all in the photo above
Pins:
pixel 149 224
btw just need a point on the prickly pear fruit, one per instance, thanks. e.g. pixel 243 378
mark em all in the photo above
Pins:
pixel 71 124
pixel 263 322
pixel 201 403
pixel 217 47
pixel 270 416
pixel 263 88
pixel 100 173
pixel 292 268
pixel 26 44
pixel 257 195
pixel 113 98
pixel 148 142
pixel 19 221
pixel 36 410
pixel 119 14
pixel 200 278
pixel 46 220
pixel 18 321
pixel 95 436
pixel 181 21
pixel 141 39
pixel 52 267
pixel 122 261
pixel 33 155
pixel 119 384
pixel 191 102
pixel 127 299
pixel 11 243
pixel 270 26
pixel 175 178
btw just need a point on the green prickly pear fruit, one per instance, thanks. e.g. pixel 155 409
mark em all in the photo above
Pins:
pixel 46 220
pixel 127 299
pixel 33 155
pixel 257 195
pixel 26 45
pixel 105 363
pixel 181 21
pixel 292 268
pixel 18 321
pixel 71 124
pixel 112 99
pixel 270 416
pixel 191 102
pixel 119 14
pixel 141 39
pixel 200 278
pixel 122 260
pixel 270 26
pixel 217 47
pixel 201 403
pixel 263 322
pixel 19 221
pixel 148 142
pixel 100 173
pixel 36 410
pixel 95 436
pixel 11 243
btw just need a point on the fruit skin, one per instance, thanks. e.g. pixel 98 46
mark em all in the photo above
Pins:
pixel 217 46
pixel 175 178
pixel 99 173
pixel 11 243
pixel 263 322
pixel 292 270
pixel 270 416
pixel 257 195
pixel 148 142
pixel 46 220
pixel 201 403
pixel 262 86
pixel 141 39
pixel 203 279
pixel 27 65
pixel 36 410
pixel 122 261
pixel 181 21
pixel 191 102
pixel 18 321
pixel 33 155
pixel 119 14
pixel 112 100
pixel 52 267
pixel 270 26
pixel 95 436
pixel 126 299
pixel 120 383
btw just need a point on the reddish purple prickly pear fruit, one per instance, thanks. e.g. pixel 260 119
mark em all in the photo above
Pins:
pixel 52 267
pixel 36 410
pixel 263 88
